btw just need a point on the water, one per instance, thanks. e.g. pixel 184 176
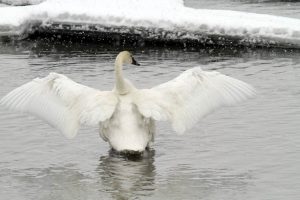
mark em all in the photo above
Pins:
pixel 250 151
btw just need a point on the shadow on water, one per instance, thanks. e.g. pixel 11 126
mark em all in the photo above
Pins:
pixel 127 177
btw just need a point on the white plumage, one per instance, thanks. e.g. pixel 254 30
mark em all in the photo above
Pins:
pixel 126 115
pixel 189 97
pixel 62 102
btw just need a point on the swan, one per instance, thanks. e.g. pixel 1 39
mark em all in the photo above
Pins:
pixel 126 115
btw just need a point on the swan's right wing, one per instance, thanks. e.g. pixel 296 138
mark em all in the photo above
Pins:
pixel 186 99
pixel 62 102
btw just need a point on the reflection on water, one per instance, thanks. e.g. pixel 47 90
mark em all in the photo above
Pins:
pixel 127 179
pixel 117 177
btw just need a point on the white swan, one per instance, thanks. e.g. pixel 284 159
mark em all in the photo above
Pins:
pixel 126 114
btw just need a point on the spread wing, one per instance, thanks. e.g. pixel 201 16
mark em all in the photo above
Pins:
pixel 186 99
pixel 62 102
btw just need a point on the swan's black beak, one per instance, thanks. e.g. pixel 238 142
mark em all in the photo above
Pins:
pixel 134 62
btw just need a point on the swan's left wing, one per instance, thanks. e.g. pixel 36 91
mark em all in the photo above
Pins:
pixel 186 99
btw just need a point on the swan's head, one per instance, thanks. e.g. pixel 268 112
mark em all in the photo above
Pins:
pixel 126 57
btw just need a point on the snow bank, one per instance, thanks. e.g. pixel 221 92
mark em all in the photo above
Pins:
pixel 164 19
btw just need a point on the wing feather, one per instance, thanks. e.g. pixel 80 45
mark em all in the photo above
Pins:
pixel 62 102
pixel 191 96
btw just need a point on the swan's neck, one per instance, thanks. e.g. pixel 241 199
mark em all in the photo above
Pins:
pixel 120 82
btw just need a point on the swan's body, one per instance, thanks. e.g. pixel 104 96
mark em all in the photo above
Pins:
pixel 127 129
pixel 126 115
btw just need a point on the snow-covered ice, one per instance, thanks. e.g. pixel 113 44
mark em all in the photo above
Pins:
pixel 163 19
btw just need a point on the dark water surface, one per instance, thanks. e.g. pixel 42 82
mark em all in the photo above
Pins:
pixel 250 151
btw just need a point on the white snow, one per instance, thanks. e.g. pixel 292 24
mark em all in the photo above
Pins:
pixel 166 15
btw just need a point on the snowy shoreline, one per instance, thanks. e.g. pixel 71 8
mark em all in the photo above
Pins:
pixel 166 20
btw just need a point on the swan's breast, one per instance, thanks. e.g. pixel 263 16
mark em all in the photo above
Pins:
pixel 127 129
